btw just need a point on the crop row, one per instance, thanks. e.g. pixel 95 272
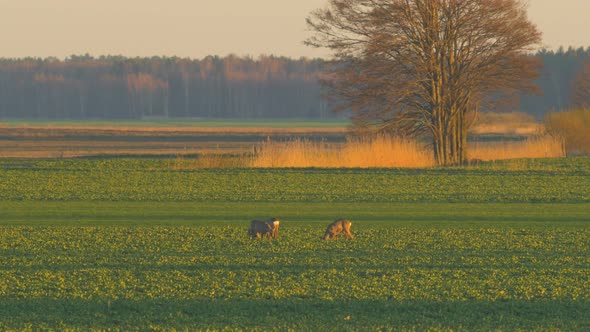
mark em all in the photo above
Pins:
pixel 150 180
pixel 221 262
pixel 139 268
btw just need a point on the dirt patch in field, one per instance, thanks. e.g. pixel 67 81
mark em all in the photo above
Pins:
pixel 77 141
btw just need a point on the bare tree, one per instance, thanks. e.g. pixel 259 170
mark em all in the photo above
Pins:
pixel 425 66
pixel 581 91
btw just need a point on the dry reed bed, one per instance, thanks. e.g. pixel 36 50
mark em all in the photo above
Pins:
pixel 358 152
pixel 393 152
pixel 574 127
pixel 515 124
pixel 534 147
pixel 355 152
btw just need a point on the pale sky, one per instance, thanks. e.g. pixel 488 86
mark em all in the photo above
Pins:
pixel 196 28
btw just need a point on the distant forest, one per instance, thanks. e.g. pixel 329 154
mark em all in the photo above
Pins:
pixel 268 87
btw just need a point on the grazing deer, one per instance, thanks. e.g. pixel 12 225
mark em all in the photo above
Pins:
pixel 264 228
pixel 339 226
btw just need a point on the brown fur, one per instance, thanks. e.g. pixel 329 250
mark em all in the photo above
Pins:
pixel 264 228
pixel 339 226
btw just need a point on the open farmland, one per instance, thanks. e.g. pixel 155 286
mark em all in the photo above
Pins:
pixel 78 139
pixel 67 139
pixel 395 274
pixel 140 244
pixel 558 180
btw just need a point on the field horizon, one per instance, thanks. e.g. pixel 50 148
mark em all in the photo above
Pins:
pixel 266 143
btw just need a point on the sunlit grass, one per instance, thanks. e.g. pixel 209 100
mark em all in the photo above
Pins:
pixel 574 127
pixel 514 123
pixel 381 151
pixel 258 146
pixel 384 151
pixel 534 147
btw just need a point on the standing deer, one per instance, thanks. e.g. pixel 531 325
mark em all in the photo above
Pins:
pixel 264 228
pixel 339 226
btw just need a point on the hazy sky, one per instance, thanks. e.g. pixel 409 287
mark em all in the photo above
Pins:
pixel 196 28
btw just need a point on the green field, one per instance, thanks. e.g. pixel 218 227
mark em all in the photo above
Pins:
pixel 133 244
pixel 564 180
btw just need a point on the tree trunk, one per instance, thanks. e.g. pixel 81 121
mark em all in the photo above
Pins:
pixel 449 141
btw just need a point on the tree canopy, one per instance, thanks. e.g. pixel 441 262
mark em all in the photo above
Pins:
pixel 426 66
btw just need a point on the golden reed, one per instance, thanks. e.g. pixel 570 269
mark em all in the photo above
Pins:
pixel 574 127
pixel 380 151
pixel 384 151
pixel 546 146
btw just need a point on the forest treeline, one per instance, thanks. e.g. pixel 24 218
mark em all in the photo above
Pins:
pixel 268 87
pixel 115 87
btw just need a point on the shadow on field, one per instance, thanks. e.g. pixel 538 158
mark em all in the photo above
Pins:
pixel 292 314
